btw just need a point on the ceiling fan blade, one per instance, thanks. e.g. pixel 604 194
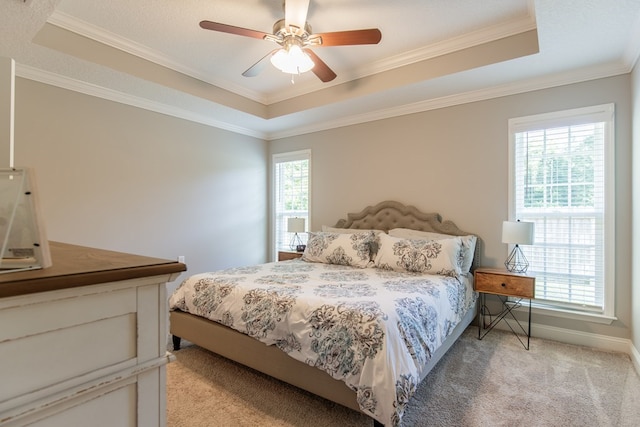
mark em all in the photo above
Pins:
pixel 295 12
pixel 320 69
pixel 257 68
pixel 343 38
pixel 224 28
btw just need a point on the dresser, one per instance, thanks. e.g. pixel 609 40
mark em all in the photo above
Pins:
pixel 83 342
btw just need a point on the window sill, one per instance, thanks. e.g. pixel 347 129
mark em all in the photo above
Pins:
pixel 545 310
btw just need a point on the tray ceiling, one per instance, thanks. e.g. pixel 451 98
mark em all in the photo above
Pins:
pixel 152 53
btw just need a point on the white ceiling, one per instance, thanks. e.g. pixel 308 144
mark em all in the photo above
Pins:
pixel 433 53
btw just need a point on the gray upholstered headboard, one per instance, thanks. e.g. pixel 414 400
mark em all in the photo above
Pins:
pixel 390 214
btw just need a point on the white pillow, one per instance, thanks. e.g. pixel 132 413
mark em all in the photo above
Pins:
pixel 407 233
pixel 339 248
pixel 375 242
pixel 420 255
pixel 468 243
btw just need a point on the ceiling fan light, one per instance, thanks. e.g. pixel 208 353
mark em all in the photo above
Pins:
pixel 292 61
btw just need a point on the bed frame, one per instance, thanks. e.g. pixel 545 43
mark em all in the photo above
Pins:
pixel 272 361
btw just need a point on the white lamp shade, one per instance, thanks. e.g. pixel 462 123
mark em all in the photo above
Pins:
pixel 295 225
pixel 517 232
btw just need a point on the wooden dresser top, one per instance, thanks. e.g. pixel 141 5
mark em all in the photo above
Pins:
pixel 81 266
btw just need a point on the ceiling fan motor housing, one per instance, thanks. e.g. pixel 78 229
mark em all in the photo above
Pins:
pixel 282 32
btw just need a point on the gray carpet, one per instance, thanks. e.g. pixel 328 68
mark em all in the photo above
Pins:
pixel 493 382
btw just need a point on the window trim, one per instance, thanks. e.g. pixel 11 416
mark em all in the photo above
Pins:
pixel 280 158
pixel 604 113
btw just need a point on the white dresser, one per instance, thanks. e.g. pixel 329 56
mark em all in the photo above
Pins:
pixel 83 343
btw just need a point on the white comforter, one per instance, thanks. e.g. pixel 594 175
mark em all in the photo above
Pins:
pixel 373 329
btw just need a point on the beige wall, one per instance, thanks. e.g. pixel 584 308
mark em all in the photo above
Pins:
pixel 122 178
pixel 636 214
pixel 454 161
pixel 7 77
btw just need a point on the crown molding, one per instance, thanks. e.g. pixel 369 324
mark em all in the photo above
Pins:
pixel 75 25
pixel 561 79
pixel 454 44
pixel 483 35
pixel 90 89
pixel 464 41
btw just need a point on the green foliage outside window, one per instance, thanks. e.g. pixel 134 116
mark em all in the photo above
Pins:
pixel 560 175
pixel 295 182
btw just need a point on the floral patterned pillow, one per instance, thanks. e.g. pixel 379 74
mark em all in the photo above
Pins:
pixel 419 255
pixel 468 243
pixel 339 248
pixel 375 242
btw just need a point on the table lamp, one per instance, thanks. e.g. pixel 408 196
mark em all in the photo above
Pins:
pixel 295 225
pixel 517 233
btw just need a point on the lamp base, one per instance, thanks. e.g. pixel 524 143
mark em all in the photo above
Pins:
pixel 517 262
pixel 295 242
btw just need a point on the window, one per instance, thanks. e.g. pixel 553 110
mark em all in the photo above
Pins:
pixel 561 178
pixel 291 184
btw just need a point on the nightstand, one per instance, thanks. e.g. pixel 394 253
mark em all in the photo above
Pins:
pixel 511 289
pixel 286 255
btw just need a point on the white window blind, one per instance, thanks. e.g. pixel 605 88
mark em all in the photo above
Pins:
pixel 292 183
pixel 561 179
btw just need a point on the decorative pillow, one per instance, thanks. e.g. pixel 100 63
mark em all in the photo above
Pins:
pixel 407 233
pixel 468 243
pixel 375 243
pixel 339 248
pixel 420 255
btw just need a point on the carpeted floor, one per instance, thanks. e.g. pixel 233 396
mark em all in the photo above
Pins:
pixel 493 382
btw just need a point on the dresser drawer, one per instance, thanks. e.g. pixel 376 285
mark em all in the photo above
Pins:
pixel 504 283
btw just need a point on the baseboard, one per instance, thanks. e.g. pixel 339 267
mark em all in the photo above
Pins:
pixel 570 336
pixel 635 357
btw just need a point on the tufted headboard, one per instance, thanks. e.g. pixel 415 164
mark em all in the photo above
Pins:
pixel 390 214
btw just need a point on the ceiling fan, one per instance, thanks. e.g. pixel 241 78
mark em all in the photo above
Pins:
pixel 294 35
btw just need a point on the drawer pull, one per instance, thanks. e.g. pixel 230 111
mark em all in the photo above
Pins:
pixel 504 285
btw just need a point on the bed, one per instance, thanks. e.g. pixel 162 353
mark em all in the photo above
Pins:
pixel 373 304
